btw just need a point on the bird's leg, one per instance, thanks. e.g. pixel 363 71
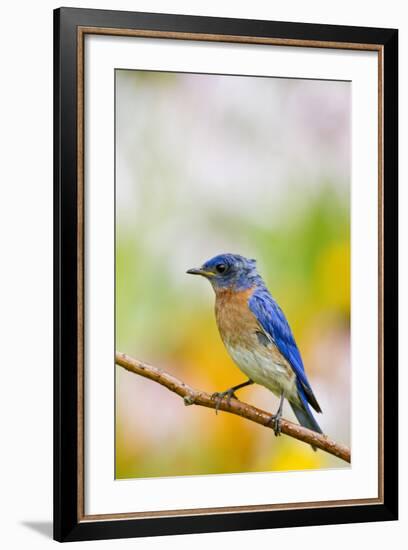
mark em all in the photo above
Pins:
pixel 275 419
pixel 229 394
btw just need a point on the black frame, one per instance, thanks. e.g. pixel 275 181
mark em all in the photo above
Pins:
pixel 66 524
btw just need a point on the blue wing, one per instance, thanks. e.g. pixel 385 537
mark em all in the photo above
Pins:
pixel 274 323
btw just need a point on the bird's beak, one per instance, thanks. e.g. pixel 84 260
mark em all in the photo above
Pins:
pixel 199 271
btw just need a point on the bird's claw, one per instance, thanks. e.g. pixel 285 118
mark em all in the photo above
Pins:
pixel 277 426
pixel 275 422
pixel 189 400
pixel 219 396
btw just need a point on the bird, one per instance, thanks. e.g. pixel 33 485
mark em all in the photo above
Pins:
pixel 258 337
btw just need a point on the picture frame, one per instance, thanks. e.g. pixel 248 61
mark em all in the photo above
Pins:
pixel 71 27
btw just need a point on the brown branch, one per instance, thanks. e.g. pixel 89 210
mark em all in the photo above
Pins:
pixel 197 397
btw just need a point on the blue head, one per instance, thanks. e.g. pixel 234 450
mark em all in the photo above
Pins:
pixel 229 271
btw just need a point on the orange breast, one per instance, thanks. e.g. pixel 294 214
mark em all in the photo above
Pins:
pixel 236 323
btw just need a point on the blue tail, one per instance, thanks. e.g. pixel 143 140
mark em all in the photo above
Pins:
pixel 305 416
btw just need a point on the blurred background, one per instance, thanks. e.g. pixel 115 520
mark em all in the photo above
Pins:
pixel 250 165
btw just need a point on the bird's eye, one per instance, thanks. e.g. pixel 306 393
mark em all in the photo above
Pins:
pixel 220 268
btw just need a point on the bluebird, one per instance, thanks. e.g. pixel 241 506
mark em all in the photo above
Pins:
pixel 258 337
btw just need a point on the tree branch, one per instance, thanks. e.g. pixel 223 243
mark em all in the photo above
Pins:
pixel 197 397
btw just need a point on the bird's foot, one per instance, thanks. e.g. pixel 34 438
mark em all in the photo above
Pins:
pixel 219 396
pixel 275 422
pixel 189 400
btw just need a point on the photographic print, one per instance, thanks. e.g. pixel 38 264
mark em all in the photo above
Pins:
pixel 232 265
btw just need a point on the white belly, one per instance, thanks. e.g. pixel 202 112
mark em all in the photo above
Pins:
pixel 260 367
